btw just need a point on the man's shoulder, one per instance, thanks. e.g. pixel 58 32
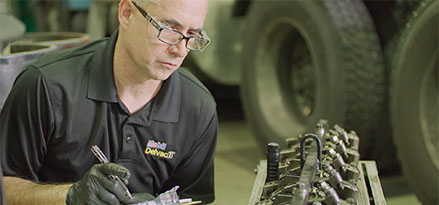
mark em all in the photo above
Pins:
pixel 193 88
pixel 191 82
pixel 67 58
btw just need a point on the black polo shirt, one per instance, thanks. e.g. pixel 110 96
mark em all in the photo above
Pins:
pixel 67 101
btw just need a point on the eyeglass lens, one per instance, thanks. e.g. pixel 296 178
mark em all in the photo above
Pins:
pixel 173 37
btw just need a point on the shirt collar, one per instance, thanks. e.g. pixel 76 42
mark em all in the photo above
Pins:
pixel 165 105
pixel 101 80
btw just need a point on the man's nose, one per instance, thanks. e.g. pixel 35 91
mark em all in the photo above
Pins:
pixel 179 49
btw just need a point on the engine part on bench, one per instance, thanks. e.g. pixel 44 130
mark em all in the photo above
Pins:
pixel 351 172
pixel 315 168
pixel 331 176
pixel 349 191
pixel 354 141
pixel 353 156
pixel 273 157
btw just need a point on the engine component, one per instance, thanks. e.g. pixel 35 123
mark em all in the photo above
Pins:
pixel 324 170
pixel 273 161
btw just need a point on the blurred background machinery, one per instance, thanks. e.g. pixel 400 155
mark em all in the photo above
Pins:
pixel 28 48
pixel 19 49
pixel 369 66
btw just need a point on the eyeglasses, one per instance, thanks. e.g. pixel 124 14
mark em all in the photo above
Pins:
pixel 171 37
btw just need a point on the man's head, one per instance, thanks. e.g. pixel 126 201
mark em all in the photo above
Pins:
pixel 149 56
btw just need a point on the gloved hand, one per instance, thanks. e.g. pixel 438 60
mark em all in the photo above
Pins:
pixel 96 187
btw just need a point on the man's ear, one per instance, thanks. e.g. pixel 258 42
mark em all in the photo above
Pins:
pixel 124 13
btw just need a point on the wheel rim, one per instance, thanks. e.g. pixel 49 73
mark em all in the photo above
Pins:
pixel 302 79
pixel 285 78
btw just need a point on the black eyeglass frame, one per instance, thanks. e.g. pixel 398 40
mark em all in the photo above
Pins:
pixel 204 38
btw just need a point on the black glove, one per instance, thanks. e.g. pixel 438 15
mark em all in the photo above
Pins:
pixel 97 186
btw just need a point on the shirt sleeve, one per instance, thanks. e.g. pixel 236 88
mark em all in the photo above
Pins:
pixel 195 175
pixel 25 125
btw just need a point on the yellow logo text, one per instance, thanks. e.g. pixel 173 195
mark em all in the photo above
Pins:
pixel 159 153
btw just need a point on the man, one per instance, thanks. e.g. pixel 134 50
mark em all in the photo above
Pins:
pixel 156 123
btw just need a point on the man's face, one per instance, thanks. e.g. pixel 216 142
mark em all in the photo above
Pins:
pixel 154 59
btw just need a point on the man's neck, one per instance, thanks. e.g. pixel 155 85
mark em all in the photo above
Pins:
pixel 134 90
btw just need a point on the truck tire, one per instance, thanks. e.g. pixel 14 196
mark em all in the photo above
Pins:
pixel 307 60
pixel 414 102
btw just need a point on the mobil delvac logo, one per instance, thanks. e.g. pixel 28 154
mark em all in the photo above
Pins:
pixel 158 149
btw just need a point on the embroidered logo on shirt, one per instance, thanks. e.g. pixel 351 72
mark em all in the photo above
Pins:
pixel 158 149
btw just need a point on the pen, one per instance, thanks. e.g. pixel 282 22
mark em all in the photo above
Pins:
pixel 188 201
pixel 103 160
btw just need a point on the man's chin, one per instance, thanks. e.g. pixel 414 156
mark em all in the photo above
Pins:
pixel 165 75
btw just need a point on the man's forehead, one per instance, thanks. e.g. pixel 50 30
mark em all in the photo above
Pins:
pixel 180 13
pixel 177 24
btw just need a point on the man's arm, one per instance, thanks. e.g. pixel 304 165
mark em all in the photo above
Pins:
pixel 25 124
pixel 22 191
pixel 96 187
